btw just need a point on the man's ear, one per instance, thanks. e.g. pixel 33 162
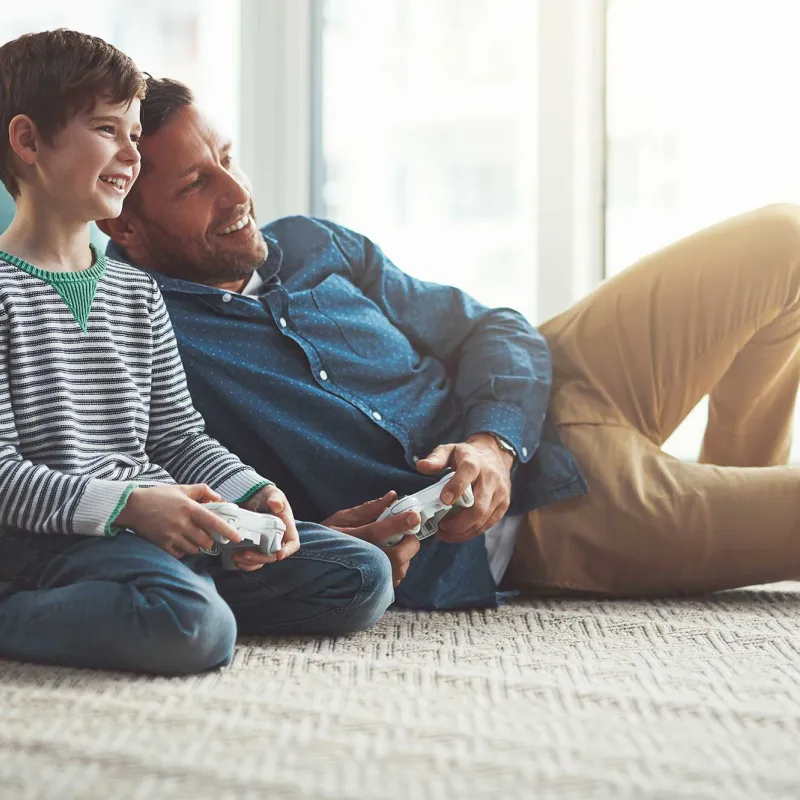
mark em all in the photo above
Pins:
pixel 125 231
pixel 23 136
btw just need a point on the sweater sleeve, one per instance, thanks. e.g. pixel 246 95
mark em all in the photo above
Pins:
pixel 37 498
pixel 176 438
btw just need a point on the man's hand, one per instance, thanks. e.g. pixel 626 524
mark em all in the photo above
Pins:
pixel 482 463
pixel 270 500
pixel 361 523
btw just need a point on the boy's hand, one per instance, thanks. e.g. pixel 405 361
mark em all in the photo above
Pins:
pixel 361 523
pixel 173 518
pixel 270 500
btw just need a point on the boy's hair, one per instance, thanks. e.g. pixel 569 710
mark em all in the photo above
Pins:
pixel 53 75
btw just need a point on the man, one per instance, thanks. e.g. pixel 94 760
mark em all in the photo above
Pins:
pixel 339 377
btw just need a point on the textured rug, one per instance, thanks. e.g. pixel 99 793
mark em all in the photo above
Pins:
pixel 546 699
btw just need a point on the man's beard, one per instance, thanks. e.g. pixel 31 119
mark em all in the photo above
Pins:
pixel 177 258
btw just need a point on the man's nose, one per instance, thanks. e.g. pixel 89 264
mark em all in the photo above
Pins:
pixel 234 192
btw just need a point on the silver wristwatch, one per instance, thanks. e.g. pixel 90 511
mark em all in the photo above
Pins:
pixel 504 445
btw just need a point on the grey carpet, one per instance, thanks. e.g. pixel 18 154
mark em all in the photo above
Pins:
pixel 550 699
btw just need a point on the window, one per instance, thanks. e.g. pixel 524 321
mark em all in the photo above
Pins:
pixel 194 41
pixel 702 124
pixel 429 138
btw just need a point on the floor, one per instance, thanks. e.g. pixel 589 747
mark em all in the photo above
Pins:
pixel 558 699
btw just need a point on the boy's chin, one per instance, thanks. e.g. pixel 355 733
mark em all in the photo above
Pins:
pixel 106 211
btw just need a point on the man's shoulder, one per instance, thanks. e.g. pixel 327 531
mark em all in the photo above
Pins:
pixel 311 247
pixel 301 232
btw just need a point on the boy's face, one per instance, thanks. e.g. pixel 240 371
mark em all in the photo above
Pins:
pixel 92 163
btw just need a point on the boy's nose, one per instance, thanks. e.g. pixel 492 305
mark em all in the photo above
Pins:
pixel 130 154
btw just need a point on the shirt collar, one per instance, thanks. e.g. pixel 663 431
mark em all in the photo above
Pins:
pixel 268 271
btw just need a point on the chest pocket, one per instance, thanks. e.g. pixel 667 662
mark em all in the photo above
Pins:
pixel 361 323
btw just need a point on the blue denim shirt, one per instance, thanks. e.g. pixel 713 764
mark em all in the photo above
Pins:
pixel 344 370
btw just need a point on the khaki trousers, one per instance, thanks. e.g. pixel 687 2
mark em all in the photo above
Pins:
pixel 719 314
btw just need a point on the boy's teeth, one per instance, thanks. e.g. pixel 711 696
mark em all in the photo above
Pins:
pixel 118 182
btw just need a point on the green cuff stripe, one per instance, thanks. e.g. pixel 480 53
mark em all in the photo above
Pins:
pixel 250 492
pixel 113 530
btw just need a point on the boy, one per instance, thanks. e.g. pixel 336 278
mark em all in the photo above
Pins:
pixel 98 549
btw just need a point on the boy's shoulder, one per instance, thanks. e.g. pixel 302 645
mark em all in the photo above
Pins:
pixel 122 274
pixel 123 269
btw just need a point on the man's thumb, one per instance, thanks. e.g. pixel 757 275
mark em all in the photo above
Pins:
pixel 436 461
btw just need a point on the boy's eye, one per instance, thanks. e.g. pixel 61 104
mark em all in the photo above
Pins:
pixel 107 128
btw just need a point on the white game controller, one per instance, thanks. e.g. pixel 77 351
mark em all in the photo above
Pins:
pixel 261 532
pixel 428 504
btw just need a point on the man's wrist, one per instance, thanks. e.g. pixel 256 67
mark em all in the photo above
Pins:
pixel 504 448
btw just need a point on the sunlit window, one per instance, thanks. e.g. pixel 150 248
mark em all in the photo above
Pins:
pixel 428 137
pixel 194 41
pixel 703 123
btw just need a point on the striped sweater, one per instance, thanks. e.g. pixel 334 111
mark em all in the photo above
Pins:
pixel 93 400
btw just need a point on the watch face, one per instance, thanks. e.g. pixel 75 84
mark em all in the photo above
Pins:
pixel 504 445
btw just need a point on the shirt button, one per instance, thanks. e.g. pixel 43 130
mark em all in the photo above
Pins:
pixel 377 416
pixel 323 376
pixel 524 452
pixel 282 322
pixel 415 459
pixel 226 298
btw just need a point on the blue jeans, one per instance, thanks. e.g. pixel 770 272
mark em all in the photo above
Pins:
pixel 123 603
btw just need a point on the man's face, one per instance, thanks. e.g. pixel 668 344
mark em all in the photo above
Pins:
pixel 194 210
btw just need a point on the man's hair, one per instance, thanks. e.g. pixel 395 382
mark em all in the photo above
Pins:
pixel 52 76
pixel 165 98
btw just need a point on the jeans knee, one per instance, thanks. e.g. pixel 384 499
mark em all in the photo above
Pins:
pixel 189 631
pixel 376 592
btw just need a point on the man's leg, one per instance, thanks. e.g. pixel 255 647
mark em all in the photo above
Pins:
pixel 118 603
pixel 716 313
pixel 334 584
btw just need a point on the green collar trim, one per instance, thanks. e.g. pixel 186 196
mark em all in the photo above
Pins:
pixel 94 273
pixel 76 289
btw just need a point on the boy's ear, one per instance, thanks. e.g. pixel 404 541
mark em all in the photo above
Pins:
pixel 23 136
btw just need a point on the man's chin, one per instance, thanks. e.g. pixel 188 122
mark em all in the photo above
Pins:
pixel 230 264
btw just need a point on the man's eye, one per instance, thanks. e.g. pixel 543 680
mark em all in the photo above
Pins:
pixel 189 186
pixel 227 160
